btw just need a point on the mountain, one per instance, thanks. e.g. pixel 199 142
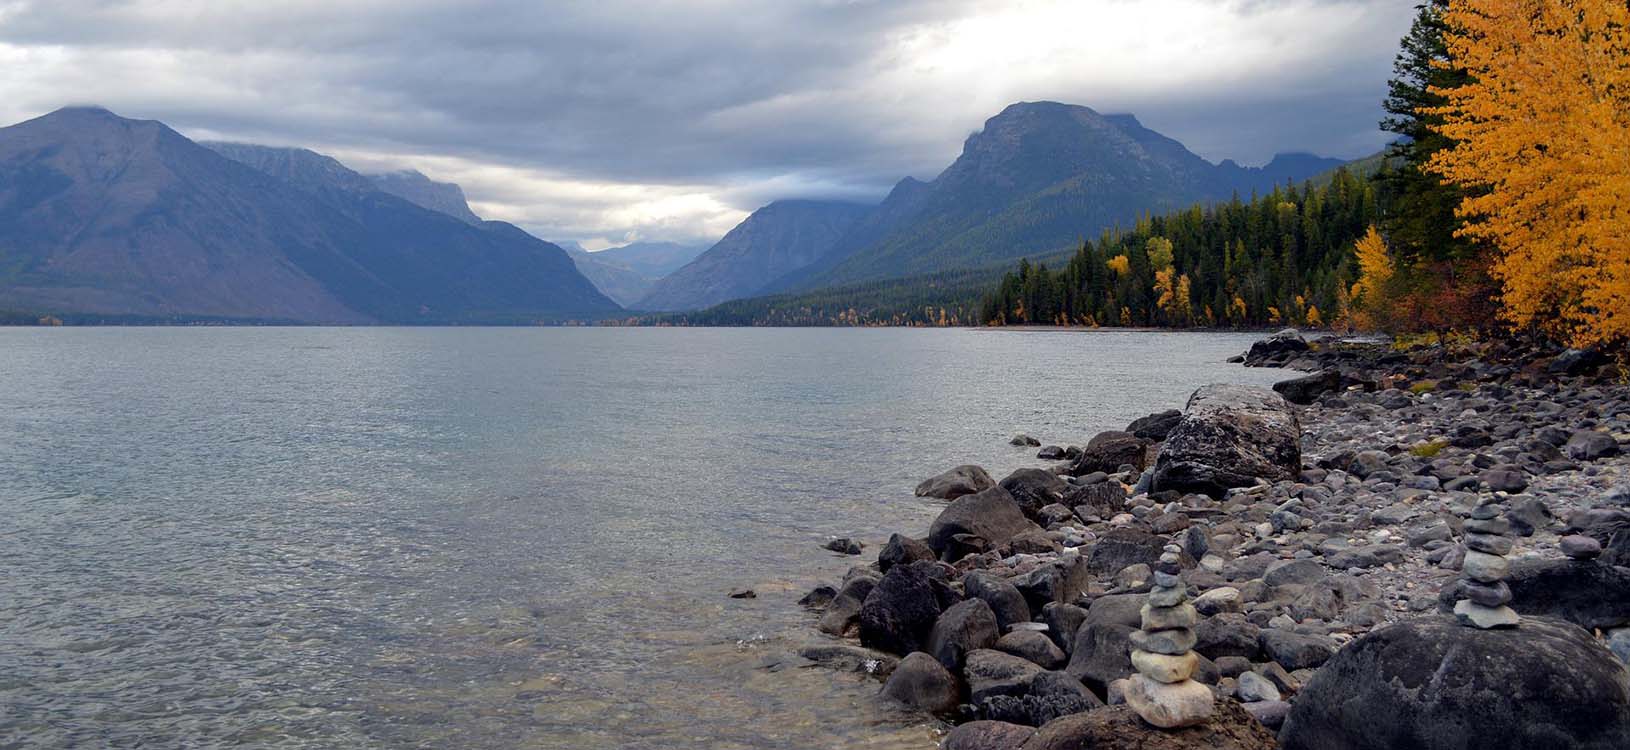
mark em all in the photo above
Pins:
pixel 1039 177
pixel 775 240
pixel 102 216
pixel 622 284
pixel 410 184
pixel 654 259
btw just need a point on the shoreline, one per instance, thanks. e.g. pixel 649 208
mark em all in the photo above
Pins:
pixel 1360 529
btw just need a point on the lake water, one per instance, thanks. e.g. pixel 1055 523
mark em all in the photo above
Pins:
pixel 492 538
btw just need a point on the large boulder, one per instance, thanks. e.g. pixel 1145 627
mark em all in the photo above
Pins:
pixel 843 612
pixel 924 684
pixel 990 515
pixel 1432 683
pixel 1230 436
pixel 990 672
pixel 902 550
pixel 1062 581
pixel 1276 349
pixel 962 480
pixel 1108 452
pixel 1103 499
pixel 1155 426
pixel 1589 594
pixel 1119 728
pixel 1034 489
pixel 1308 388
pixel 900 611
pixel 964 627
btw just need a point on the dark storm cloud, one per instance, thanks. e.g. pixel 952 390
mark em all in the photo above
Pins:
pixel 740 101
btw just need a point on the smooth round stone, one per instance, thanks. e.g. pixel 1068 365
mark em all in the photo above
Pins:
pixel 1167 596
pixel 1166 618
pixel 1494 545
pixel 1165 667
pixel 1484 567
pixel 1171 557
pixel 1170 706
pixel 1175 642
pixel 1486 594
pixel 1580 547
pixel 1476 615
pixel 1488 526
pixel 1171 568
pixel 1486 511
pixel 1167 579
pixel 1172 548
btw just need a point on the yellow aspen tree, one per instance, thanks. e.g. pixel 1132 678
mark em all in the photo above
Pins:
pixel 1543 143
pixel 1375 271
pixel 1120 264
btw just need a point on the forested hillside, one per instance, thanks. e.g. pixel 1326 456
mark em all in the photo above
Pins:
pixel 1284 257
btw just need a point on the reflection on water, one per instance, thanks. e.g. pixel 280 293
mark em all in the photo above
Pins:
pixel 491 538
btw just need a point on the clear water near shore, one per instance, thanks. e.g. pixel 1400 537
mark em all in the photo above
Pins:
pixel 492 538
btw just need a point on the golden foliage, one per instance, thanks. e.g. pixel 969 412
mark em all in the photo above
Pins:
pixel 1375 272
pixel 1119 264
pixel 1543 143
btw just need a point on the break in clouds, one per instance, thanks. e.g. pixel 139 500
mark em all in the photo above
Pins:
pixel 606 121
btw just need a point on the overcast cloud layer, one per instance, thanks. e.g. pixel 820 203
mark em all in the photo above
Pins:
pixel 606 121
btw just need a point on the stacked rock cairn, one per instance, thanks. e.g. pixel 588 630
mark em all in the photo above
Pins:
pixel 1486 594
pixel 1164 691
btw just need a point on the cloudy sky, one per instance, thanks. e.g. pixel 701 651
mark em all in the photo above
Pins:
pixel 606 121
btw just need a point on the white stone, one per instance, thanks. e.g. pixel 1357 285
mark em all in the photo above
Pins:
pixel 1170 706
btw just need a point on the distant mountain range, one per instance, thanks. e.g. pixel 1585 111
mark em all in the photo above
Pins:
pixel 106 216
pixel 1038 178
pixel 626 274
pixel 117 218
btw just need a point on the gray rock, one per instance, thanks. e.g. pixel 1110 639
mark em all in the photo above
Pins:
pixel 1004 599
pixel 902 550
pixel 1155 426
pixel 900 611
pixel 1294 571
pixel 1296 651
pixel 1580 547
pixel 1505 479
pixel 1590 445
pixel 1590 594
pixel 1034 489
pixel 962 480
pixel 1253 687
pixel 987 735
pixel 1034 646
pixel 1227 634
pixel 1307 389
pixel 1230 436
pixel 922 683
pixel 990 514
pixel 1124 547
pixel 991 672
pixel 1063 621
pixel 964 627
pixel 1102 654
pixel 1109 454
pixel 844 545
pixel 1430 683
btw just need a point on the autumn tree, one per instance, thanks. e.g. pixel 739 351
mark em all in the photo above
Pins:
pixel 1371 294
pixel 1541 131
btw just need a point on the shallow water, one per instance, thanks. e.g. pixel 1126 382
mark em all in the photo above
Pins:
pixel 492 538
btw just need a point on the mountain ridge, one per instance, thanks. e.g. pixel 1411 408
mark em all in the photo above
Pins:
pixel 107 216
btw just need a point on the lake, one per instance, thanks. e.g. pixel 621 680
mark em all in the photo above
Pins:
pixel 493 538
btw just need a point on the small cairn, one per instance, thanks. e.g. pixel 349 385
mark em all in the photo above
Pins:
pixel 1483 586
pixel 1163 691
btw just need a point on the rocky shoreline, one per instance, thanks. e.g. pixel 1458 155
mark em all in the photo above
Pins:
pixel 1298 552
